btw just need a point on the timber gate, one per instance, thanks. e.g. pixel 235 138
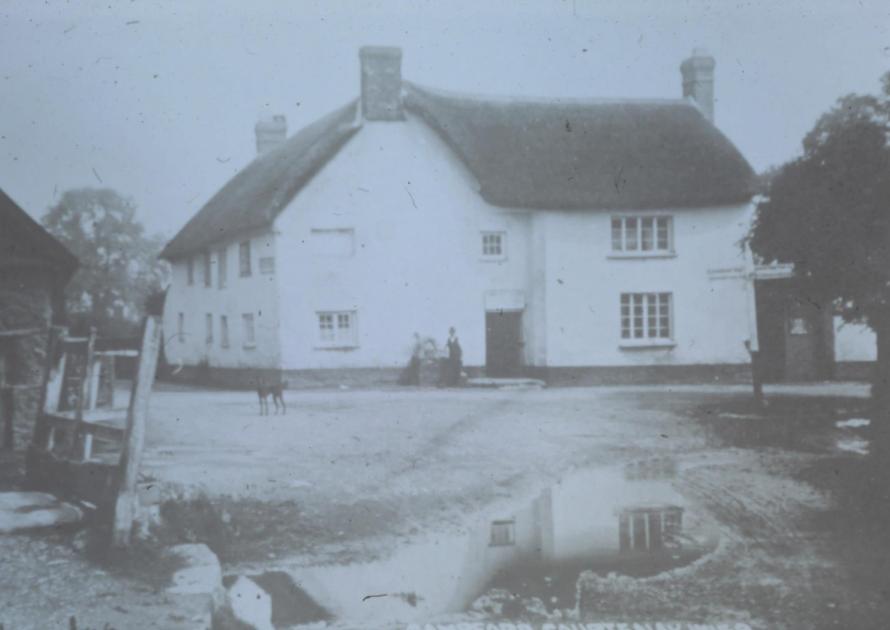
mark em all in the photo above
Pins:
pixel 86 447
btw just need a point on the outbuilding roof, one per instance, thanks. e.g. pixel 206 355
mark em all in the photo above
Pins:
pixel 24 242
pixel 545 154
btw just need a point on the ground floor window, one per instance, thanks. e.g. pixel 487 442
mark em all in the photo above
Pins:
pixel 180 327
pixel 646 316
pixel 337 329
pixel 648 529
pixel 208 325
pixel 249 331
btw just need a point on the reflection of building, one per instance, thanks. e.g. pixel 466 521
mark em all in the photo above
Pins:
pixel 649 528
pixel 590 516
pixel 598 520
pixel 568 238
pixel 629 521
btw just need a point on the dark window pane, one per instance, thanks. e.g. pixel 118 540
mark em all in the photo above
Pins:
pixel 639 532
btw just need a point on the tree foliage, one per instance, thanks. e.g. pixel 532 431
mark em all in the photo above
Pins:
pixel 119 267
pixel 828 212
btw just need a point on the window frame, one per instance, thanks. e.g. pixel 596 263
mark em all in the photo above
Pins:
pixel 208 328
pixel 638 314
pixel 502 236
pixel 248 332
pixel 638 236
pixel 331 321
pixel 245 266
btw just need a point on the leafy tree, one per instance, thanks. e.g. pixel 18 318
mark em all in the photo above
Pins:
pixel 119 268
pixel 828 213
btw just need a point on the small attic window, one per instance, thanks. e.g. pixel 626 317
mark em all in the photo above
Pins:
pixel 494 245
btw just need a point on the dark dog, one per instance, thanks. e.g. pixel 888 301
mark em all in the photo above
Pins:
pixel 276 392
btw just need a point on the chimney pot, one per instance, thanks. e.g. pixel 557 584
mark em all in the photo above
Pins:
pixel 698 80
pixel 381 78
pixel 271 132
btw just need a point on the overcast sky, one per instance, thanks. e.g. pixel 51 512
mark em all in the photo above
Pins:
pixel 158 99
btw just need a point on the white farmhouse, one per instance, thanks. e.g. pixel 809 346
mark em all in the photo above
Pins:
pixel 580 240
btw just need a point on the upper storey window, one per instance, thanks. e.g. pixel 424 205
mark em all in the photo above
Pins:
pixel 642 235
pixel 244 259
pixel 494 245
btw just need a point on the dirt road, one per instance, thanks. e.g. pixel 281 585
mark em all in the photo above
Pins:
pixel 349 483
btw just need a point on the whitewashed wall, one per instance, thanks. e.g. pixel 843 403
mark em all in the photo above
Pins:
pixel 255 294
pixel 854 342
pixel 584 285
pixel 417 265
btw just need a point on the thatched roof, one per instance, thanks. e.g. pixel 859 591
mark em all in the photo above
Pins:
pixel 254 197
pixel 588 154
pixel 546 154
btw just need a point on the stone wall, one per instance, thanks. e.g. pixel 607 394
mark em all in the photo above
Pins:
pixel 25 303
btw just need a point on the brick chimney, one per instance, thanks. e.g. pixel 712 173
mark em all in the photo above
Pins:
pixel 698 80
pixel 381 83
pixel 271 132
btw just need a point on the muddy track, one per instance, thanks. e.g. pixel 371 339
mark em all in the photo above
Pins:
pixel 755 512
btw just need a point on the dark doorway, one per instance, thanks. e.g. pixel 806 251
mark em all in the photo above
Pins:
pixel 795 333
pixel 503 343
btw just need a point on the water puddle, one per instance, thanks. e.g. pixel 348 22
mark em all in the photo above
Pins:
pixel 848 440
pixel 853 445
pixel 624 520
pixel 852 423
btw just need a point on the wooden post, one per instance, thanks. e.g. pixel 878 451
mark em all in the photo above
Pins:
pixel 50 391
pixel 134 437
pixel 7 410
pixel 81 442
pixel 86 378
pixel 6 402
pixel 54 377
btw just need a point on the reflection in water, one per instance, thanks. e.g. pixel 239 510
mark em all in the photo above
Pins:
pixel 629 521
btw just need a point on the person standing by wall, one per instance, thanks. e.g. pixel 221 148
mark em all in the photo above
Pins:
pixel 455 359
